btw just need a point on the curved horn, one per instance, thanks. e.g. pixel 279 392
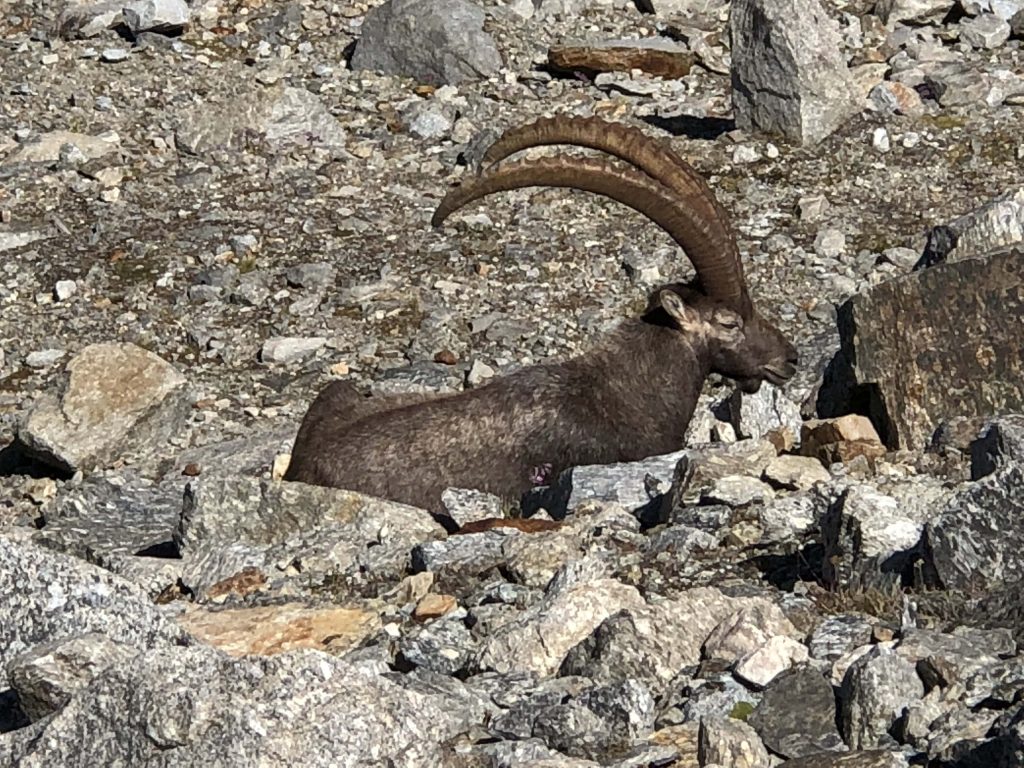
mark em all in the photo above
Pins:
pixel 649 154
pixel 625 185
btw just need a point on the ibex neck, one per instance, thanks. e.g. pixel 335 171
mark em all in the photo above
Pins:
pixel 647 379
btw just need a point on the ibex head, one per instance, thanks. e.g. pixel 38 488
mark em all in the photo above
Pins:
pixel 741 344
pixel 747 350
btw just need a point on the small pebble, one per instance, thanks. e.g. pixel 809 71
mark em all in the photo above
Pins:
pixel 113 55
pixel 744 154
pixel 479 373
pixel 43 358
pixel 880 140
pixel 65 289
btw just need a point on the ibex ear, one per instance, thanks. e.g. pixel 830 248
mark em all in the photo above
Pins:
pixel 686 317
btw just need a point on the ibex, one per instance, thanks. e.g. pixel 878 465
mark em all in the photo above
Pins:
pixel 629 397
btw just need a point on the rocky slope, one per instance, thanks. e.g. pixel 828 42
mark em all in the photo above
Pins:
pixel 208 211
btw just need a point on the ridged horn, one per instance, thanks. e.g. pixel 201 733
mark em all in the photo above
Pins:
pixel 649 154
pixel 655 158
pixel 625 185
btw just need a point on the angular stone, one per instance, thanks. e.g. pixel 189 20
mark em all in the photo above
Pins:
pixel 786 518
pixel 684 738
pixel 267 630
pixel 977 541
pixel 433 606
pixel 875 690
pixel 115 399
pixel 788 72
pixel 105 517
pixel 738 491
pixel 914 340
pixel 655 56
pixel 725 741
pixel 944 658
pixel 466 505
pixel 795 473
pixel 757 415
pixel 206 708
pixel 444 646
pixel 358 542
pixel 891 11
pixel 286 349
pixel 167 17
pixel 436 42
pixel 533 560
pixel 1003 9
pixel 746 631
pixel 608 719
pixel 46 676
pixel 956 85
pixel 1017 24
pixel 697 472
pixel 283 116
pixel 848 428
pixel 838 635
pixel 763 665
pixel 995 225
pixel 51 597
pixel 986 31
pixel 630 643
pixel 871 537
pixel 797 714
pixel 539 640
pixel 638 486
pixel 458 562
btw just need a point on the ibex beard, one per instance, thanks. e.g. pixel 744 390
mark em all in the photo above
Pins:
pixel 631 396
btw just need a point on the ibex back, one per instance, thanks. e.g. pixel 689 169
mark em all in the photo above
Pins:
pixel 629 397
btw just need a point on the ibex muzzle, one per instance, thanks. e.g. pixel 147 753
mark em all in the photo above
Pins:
pixel 630 397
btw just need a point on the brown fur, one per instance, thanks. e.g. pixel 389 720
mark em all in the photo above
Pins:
pixel 630 397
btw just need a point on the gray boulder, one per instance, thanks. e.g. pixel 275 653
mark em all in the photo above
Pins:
pixel 788 72
pixel 284 116
pixel 51 597
pixel 197 707
pixel 977 541
pixel 433 41
pixel 115 398
pixel 916 339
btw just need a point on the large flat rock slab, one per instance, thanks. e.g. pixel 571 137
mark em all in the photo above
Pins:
pixel 943 342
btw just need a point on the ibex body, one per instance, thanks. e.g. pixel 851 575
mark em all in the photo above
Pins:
pixel 629 397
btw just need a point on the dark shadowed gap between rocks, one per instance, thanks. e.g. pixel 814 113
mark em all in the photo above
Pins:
pixel 707 128
pixel 785 571
pixel 11 715
pixel 15 460
pixel 840 394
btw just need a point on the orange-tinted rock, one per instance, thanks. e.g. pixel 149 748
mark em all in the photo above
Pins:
pixel 432 606
pixel 609 57
pixel 274 629
pixel 524 524
pixel 852 426
pixel 245 582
